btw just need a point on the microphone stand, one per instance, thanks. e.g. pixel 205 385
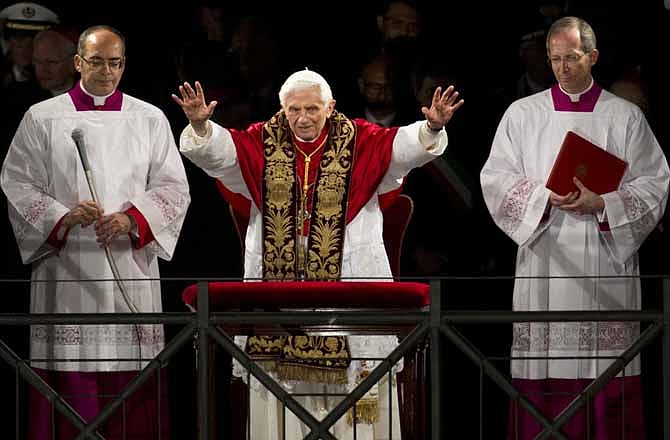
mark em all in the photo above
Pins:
pixel 108 251
pixel 78 138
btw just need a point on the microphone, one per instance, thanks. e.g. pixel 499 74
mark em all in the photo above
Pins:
pixel 78 138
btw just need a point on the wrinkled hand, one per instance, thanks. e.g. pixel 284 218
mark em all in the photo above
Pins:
pixel 110 226
pixel 84 213
pixel 579 202
pixel 442 108
pixel 195 108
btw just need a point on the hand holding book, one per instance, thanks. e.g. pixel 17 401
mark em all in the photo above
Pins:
pixel 597 169
pixel 583 201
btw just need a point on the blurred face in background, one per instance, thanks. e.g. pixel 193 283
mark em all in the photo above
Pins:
pixel 20 47
pixel 375 86
pixel 400 20
pixel 53 58
pixel 425 88
pixel 533 56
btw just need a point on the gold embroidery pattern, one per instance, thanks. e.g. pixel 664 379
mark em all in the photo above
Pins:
pixel 279 188
pixel 325 358
pixel 311 358
pixel 314 358
pixel 327 224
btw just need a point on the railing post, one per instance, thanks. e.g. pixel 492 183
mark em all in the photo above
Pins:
pixel 666 358
pixel 435 361
pixel 203 360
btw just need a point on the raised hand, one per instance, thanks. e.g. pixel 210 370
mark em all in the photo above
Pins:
pixel 442 108
pixel 192 102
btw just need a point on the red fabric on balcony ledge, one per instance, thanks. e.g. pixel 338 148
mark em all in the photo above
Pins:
pixel 312 294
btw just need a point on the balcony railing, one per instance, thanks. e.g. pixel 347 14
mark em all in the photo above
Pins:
pixel 436 323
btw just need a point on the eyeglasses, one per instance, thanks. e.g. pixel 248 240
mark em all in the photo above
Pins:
pixel 570 60
pixel 99 63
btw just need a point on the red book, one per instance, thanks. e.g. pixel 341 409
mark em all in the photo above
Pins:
pixel 599 171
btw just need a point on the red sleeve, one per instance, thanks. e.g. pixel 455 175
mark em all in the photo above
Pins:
pixel 53 237
pixel 143 229
pixel 374 147
pixel 249 148
pixel 240 204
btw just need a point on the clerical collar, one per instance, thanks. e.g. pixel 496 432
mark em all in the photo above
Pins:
pixel 98 101
pixel 574 97
pixel 575 102
pixel 83 100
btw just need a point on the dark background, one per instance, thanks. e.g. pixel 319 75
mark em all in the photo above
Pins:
pixel 477 42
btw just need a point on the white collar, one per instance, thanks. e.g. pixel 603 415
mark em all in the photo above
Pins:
pixel 97 100
pixel 574 97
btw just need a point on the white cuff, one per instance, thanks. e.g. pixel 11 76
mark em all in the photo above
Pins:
pixel 431 139
pixel 190 141
pixel 202 139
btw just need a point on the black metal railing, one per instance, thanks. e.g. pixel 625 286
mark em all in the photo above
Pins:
pixel 433 323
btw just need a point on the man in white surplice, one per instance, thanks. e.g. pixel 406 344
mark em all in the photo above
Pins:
pixel 575 235
pixel 142 200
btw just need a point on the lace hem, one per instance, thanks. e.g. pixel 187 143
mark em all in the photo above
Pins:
pixel 583 336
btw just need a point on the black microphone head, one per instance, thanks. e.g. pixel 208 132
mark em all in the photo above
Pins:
pixel 77 135
pixel 78 138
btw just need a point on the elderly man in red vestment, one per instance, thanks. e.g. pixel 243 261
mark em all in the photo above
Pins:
pixel 312 181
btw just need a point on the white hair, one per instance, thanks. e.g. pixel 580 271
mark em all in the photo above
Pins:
pixel 305 79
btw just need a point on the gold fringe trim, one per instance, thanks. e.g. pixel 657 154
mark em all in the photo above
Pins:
pixel 305 373
pixel 268 366
pixel 367 411
pixel 310 373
